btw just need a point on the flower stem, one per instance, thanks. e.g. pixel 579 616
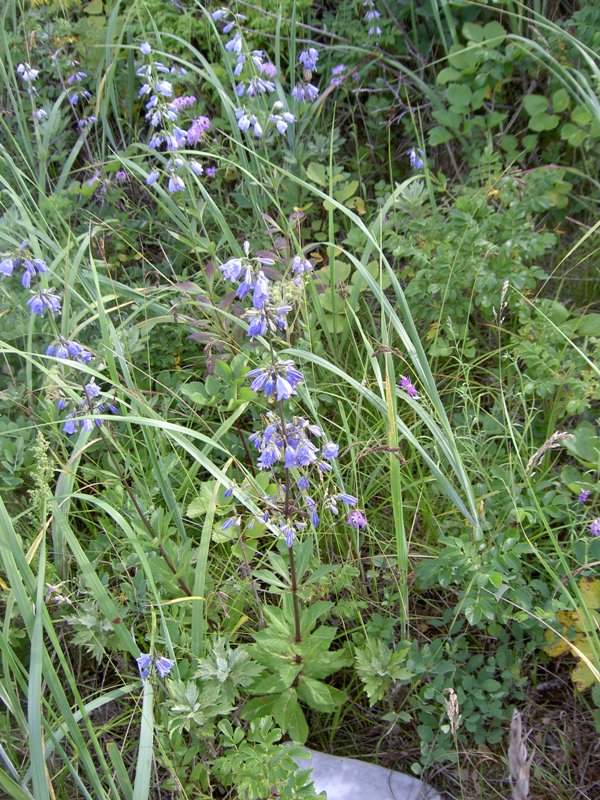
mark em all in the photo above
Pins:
pixel 147 524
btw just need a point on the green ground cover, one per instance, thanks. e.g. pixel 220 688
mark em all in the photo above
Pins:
pixel 299 336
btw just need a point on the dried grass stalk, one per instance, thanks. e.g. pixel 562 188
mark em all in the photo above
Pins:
pixel 518 763
pixel 549 444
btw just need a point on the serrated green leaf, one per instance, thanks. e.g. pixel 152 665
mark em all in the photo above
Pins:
pixel 439 135
pixel 223 370
pixel 196 392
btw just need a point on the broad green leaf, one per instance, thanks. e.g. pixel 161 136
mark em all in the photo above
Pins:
pixel 543 122
pixel 586 444
pixel 493 34
pixel 316 694
pixel 290 717
pixel 346 191
pixel 535 103
pixel 448 74
pixel 560 101
pixel 473 32
pixel 464 57
pixel 317 173
pixel 581 116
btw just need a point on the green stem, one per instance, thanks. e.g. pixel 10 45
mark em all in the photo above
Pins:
pixel 147 524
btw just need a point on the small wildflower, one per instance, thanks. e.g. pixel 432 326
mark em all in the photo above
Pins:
pixel 26 72
pixel 280 379
pixel 85 122
pixel 235 45
pixel 176 184
pixel 288 533
pixel 330 450
pixel 268 70
pixel 43 300
pixel 144 662
pixel 584 495
pixel 415 156
pixel 372 15
pixel 145 48
pixel 71 424
pixel 197 129
pixel 356 519
pixel 305 92
pixel 408 387
pixel 337 75
pixel 163 665
pixel 7 266
pixel 308 59
pixel 282 121
pixel 64 348
pixel 595 527
pixel 120 175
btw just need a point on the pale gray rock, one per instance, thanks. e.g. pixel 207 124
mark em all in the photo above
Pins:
pixel 349 779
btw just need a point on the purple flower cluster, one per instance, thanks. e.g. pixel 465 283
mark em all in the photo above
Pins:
pixel 305 91
pixel 595 527
pixel 65 349
pixel 90 405
pixel 407 385
pixel 584 496
pixel 267 313
pixel 280 118
pixel 162 665
pixel 283 443
pixel 28 75
pixel 79 97
pixel 337 75
pixel 256 74
pixel 277 381
pixel 163 114
pixel 415 156
pixel 22 257
pixel 372 16
pixel 291 443
pixel 44 300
